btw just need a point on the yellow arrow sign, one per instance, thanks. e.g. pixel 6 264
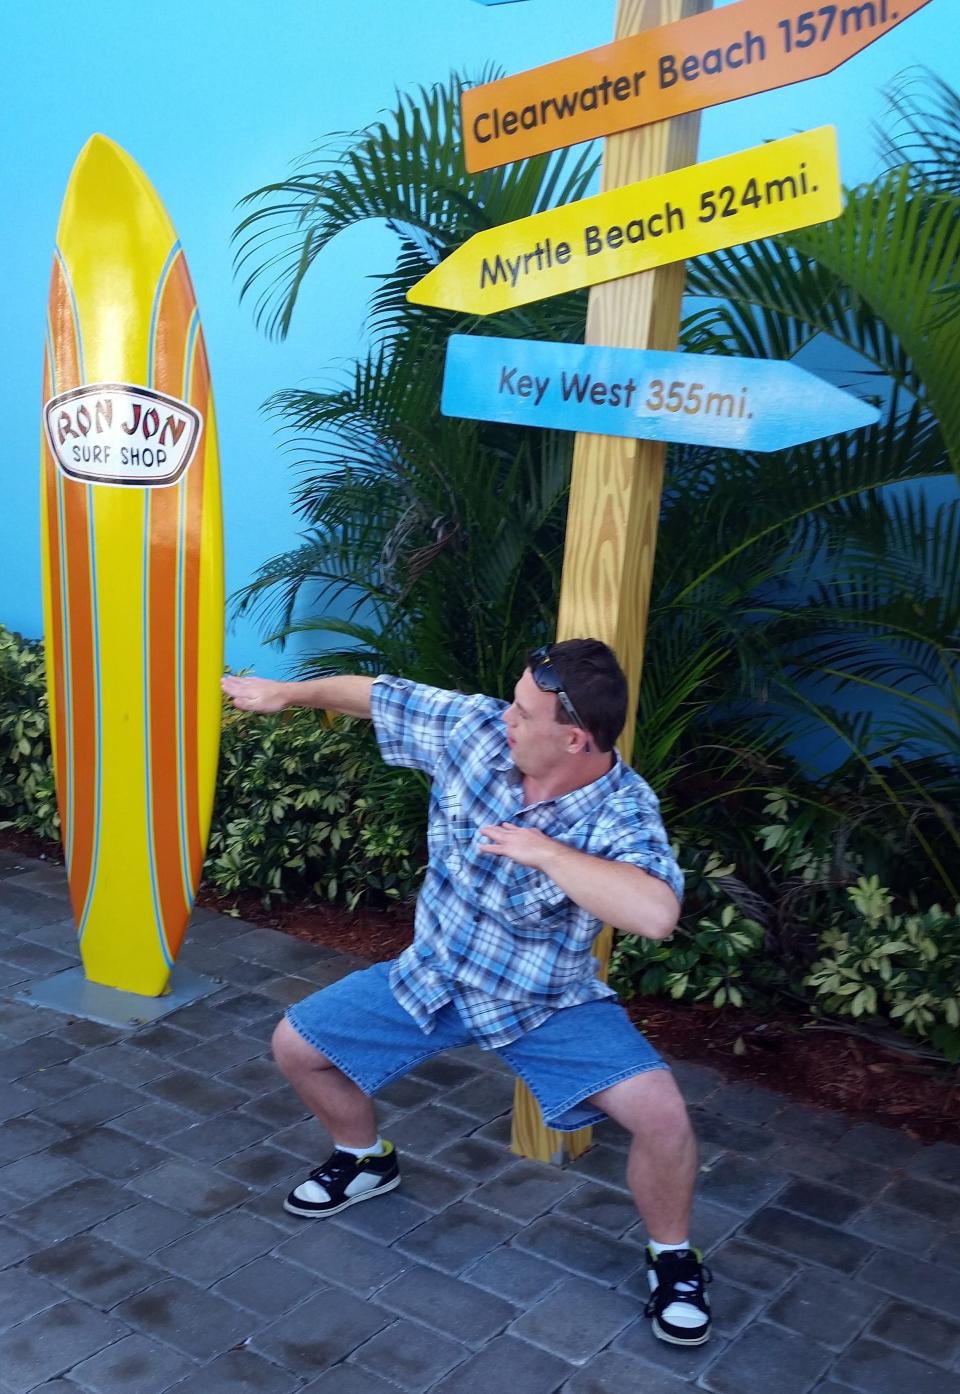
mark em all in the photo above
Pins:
pixel 787 184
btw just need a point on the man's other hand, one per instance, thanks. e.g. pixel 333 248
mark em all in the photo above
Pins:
pixel 527 846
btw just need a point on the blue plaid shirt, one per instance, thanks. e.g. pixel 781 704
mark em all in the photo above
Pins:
pixel 500 940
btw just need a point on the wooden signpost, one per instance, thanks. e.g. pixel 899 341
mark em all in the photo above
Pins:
pixel 771 188
pixel 616 482
pixel 699 62
pixel 695 399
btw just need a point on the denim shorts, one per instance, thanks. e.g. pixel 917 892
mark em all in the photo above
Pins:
pixel 579 1051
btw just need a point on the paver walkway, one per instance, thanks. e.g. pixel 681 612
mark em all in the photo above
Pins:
pixel 143 1247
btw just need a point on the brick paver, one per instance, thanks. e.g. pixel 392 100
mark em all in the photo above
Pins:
pixel 143 1247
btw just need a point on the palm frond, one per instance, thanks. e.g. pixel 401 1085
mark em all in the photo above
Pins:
pixel 922 129
pixel 406 170
pixel 786 492
pixel 897 252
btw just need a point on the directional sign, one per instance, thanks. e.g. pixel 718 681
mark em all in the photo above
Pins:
pixel 694 63
pixel 771 188
pixel 740 403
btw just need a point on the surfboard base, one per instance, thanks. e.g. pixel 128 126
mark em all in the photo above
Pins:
pixel 75 995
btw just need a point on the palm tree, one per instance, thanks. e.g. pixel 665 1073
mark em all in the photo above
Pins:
pixel 863 590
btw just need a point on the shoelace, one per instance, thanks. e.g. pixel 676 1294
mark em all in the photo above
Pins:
pixel 333 1169
pixel 687 1288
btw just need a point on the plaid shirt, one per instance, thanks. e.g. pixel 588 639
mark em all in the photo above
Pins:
pixel 500 940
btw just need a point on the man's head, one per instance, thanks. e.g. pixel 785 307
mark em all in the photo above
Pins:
pixel 570 700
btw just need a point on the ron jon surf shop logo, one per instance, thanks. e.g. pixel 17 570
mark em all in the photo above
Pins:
pixel 114 433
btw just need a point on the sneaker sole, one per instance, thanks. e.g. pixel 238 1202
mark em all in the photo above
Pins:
pixel 677 1340
pixel 311 1214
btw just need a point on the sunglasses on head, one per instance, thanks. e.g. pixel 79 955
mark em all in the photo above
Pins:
pixel 547 679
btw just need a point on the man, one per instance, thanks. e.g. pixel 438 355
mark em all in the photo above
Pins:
pixel 538 834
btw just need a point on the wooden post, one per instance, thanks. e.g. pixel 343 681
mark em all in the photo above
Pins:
pixel 616 484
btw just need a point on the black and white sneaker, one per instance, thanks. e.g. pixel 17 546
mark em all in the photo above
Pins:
pixel 343 1180
pixel 678 1304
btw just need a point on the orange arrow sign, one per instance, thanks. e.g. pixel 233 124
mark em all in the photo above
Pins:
pixel 735 51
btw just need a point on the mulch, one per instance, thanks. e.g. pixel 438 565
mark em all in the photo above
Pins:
pixel 814 1062
pixel 811 1061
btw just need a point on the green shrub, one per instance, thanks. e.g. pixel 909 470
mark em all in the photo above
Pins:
pixel 708 959
pixel 705 963
pixel 305 808
pixel 810 921
pixel 27 797
pixel 901 967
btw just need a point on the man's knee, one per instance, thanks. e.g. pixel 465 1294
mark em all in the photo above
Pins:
pixel 292 1053
pixel 647 1102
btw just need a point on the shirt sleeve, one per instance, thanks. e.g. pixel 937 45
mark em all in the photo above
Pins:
pixel 642 841
pixel 413 722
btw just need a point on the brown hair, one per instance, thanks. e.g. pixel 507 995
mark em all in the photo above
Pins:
pixel 595 683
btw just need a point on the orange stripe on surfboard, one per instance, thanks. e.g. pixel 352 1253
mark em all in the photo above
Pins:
pixel 83 697
pixel 164 660
pixel 64 331
pixel 194 482
pixel 77 583
pixel 56 657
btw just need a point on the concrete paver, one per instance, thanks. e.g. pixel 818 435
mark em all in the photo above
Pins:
pixel 143 1247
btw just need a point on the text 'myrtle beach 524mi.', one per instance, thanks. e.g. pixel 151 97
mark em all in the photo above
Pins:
pixel 786 184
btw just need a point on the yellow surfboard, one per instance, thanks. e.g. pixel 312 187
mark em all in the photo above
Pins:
pixel 132 542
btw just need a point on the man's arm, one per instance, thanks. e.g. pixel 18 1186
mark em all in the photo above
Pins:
pixel 617 893
pixel 346 692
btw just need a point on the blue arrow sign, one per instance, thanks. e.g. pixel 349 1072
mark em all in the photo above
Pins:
pixel 740 403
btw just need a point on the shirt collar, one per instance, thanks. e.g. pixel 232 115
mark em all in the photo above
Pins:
pixel 569 808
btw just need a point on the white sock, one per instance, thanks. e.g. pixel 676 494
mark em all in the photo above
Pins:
pixel 376 1149
pixel 659 1249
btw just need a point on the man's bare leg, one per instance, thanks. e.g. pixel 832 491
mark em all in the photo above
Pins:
pixel 662 1163
pixel 661 1172
pixel 343 1109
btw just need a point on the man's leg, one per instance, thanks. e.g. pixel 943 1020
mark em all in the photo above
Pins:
pixel 662 1164
pixel 358 1022
pixel 589 1060
pixel 661 1172
pixel 341 1106
pixel 361 1164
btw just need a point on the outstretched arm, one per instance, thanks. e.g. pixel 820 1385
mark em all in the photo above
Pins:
pixel 617 893
pixel 346 692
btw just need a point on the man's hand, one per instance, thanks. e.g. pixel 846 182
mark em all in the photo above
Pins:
pixel 524 845
pixel 256 694
pixel 343 692
pixel 616 893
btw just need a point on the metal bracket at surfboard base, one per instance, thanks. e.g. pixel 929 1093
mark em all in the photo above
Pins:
pixel 75 995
